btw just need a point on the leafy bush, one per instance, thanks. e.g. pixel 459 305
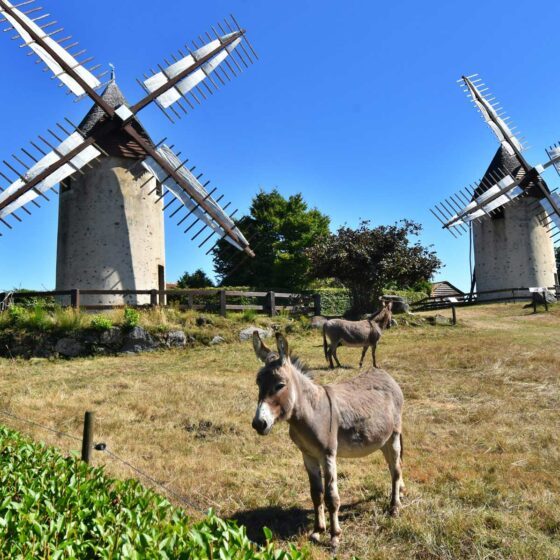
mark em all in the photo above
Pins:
pixel 131 318
pixel 334 301
pixel 16 314
pixel 57 507
pixel 101 323
pixel 248 316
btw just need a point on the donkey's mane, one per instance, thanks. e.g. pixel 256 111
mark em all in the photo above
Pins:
pixel 301 366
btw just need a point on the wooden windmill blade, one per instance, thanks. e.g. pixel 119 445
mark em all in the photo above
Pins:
pixel 58 59
pixel 202 66
pixel 63 160
pixel 492 114
pixel 502 186
pixel 184 186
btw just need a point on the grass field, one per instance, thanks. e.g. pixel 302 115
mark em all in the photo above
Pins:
pixel 481 435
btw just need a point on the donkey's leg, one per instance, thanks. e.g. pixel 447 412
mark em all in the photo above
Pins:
pixel 392 451
pixel 334 349
pixel 331 496
pixel 373 347
pixel 313 468
pixel 330 354
pixel 364 350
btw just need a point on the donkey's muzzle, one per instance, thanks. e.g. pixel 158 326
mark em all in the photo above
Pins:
pixel 260 425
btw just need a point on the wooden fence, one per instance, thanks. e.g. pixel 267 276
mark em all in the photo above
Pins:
pixel 208 300
pixel 489 296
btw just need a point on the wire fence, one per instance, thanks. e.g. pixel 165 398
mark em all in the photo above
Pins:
pixel 103 448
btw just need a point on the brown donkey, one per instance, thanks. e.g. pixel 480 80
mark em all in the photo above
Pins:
pixel 362 334
pixel 348 419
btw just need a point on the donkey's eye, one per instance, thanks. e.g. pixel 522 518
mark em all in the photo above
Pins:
pixel 278 387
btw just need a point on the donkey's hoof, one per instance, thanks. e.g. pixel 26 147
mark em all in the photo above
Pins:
pixel 334 544
pixel 315 537
pixel 394 511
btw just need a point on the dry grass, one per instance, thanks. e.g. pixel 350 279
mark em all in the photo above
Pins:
pixel 481 432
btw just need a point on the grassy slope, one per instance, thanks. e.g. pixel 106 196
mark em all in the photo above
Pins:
pixel 481 435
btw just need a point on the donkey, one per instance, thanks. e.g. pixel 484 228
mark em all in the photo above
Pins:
pixel 348 419
pixel 364 334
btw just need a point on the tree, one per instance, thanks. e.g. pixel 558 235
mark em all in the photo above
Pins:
pixel 279 231
pixel 367 259
pixel 198 279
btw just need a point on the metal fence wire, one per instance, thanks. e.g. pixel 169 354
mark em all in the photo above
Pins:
pixel 103 448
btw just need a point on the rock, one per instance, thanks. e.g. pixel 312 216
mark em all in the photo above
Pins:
pixel 69 347
pixel 247 333
pixel 111 337
pixel 399 303
pixel 203 321
pixel 138 340
pixel 540 298
pixel 176 339
pixel 217 340
pixel 317 322
pixel 439 320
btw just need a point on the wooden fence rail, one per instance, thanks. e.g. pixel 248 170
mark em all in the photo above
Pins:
pixel 211 300
pixel 502 295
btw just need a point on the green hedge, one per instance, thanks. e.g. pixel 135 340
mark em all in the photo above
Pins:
pixel 57 507
pixel 334 301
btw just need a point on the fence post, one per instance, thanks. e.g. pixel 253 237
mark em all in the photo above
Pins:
pixel 271 303
pixel 190 301
pixel 161 285
pixel 454 315
pixel 87 439
pixel 223 308
pixel 75 298
pixel 317 304
pixel 153 298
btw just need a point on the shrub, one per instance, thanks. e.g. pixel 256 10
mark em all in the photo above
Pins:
pixel 248 315
pixel 17 314
pixel 101 323
pixel 131 318
pixel 38 319
pixel 57 507
pixel 68 319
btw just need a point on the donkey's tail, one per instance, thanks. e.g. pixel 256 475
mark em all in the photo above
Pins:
pixel 325 340
pixel 402 446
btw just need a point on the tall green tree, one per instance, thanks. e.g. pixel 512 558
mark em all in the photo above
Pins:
pixel 367 259
pixel 280 230
pixel 198 279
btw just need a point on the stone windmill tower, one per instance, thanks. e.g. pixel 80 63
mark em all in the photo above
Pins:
pixel 113 178
pixel 110 224
pixel 513 247
pixel 511 212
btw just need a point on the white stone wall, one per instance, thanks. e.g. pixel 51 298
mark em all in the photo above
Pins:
pixel 110 233
pixel 513 251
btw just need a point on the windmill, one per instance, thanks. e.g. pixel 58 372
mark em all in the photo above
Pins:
pixel 114 179
pixel 512 214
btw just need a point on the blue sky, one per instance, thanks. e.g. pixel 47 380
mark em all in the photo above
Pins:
pixel 353 104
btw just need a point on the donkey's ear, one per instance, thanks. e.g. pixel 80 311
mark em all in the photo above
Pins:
pixel 389 305
pixel 282 344
pixel 261 349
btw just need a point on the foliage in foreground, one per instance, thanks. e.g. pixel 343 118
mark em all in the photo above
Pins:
pixel 57 507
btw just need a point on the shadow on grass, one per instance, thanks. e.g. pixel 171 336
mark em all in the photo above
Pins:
pixel 285 523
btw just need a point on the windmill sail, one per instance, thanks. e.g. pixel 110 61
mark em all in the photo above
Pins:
pixel 175 81
pixel 52 171
pixel 56 58
pixel 195 197
pixel 489 113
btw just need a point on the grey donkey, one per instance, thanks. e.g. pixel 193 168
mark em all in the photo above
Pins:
pixel 363 334
pixel 348 419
